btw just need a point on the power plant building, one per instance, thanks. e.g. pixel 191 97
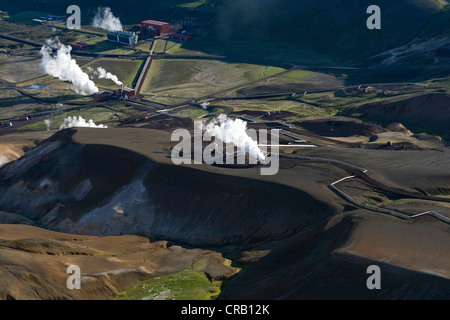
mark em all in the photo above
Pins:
pixel 124 93
pixel 154 28
pixel 123 37
pixel 80 46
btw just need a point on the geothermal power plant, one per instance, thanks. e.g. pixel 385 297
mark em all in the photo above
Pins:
pixel 240 157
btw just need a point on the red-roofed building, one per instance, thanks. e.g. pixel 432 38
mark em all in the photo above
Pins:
pixel 154 28
pixel 80 46
pixel 182 37
pixel 125 93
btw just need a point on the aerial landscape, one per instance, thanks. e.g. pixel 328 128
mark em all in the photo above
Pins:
pixel 224 150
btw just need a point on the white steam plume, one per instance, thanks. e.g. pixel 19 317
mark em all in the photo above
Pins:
pixel 103 74
pixel 233 131
pixel 74 122
pixel 47 124
pixel 104 19
pixel 108 75
pixel 57 62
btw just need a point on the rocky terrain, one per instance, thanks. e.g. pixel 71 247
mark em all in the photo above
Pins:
pixel 35 261
pixel 298 239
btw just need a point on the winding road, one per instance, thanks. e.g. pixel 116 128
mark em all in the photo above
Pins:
pixel 388 211
pixel 362 172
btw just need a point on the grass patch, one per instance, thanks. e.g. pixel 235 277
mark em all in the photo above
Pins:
pixel 159 46
pixel 178 48
pixel 11 26
pixel 165 99
pixel 28 16
pixel 127 110
pixel 86 29
pixel 145 46
pixel 13 104
pixel 101 45
pixel 126 70
pixel 296 80
pixel 193 4
pixel 67 94
pixel 272 71
pixel 175 48
pixel 195 112
pixel 251 48
pixel 185 285
pixel 301 76
pixel 186 78
pixel 301 110
pixel 19 68
pixel 39 33
pixel 98 115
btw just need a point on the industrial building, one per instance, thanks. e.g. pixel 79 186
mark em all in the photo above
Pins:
pixel 182 37
pixel 154 28
pixel 124 93
pixel 80 46
pixel 123 37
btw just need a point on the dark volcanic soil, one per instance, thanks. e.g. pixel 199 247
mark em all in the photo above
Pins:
pixel 340 127
pixel 105 190
pixel 314 268
pixel 296 236
pixel 428 113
